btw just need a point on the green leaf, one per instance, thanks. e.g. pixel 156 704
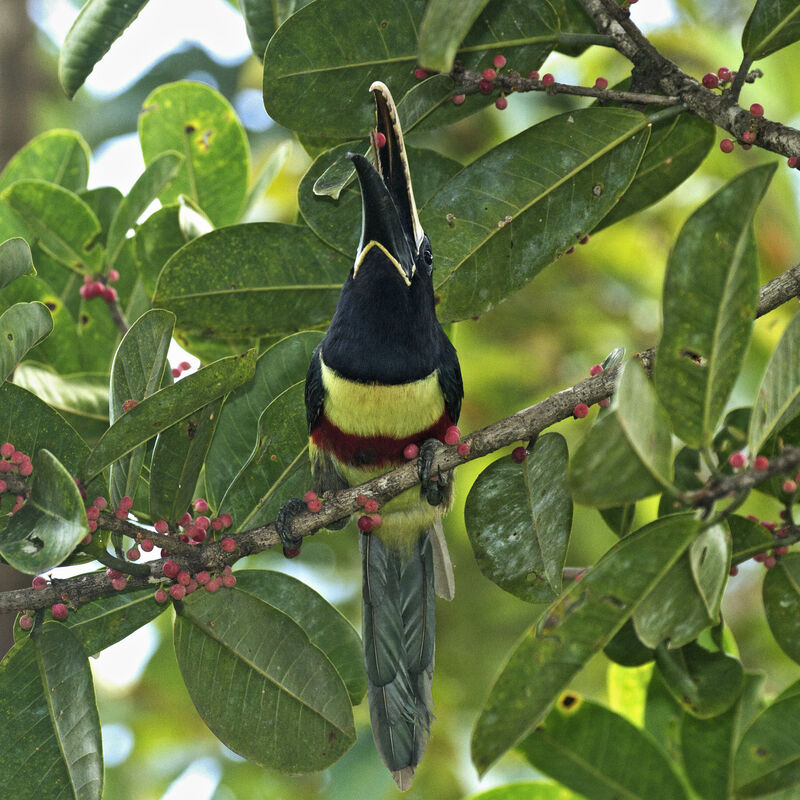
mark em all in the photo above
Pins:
pixel 104 202
pixel 676 148
pixel 262 19
pixel 136 374
pixel 662 716
pixel 627 453
pixel 49 727
pixel 281 366
pixel 147 188
pixel 627 691
pixel 518 517
pixel 778 399
pixel 21 327
pixel 627 649
pixel 687 599
pixel 572 746
pixel 338 222
pixel 773 24
pixel 619 518
pixel 178 457
pixel 325 627
pixel 748 538
pixel 197 121
pixel 155 240
pixel 260 684
pixel 15 261
pixel 578 625
pixel 443 27
pixel 67 228
pixel 56 156
pixel 705 684
pixel 768 757
pixel 98 25
pixel 510 213
pixel 526 791
pixel 781 591
pixel 167 406
pixel 573 20
pixel 708 746
pixel 706 333
pixel 259 279
pixel 306 75
pixel 52 522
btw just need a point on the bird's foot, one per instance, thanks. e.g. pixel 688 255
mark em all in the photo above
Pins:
pixel 433 488
pixel 283 524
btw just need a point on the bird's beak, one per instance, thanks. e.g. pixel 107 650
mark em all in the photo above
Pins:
pixel 389 212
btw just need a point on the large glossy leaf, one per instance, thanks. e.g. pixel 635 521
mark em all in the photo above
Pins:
pixel 197 121
pixel 281 366
pixel 513 211
pixel 518 518
pixel 781 591
pixel 155 240
pixel 261 19
pixel 338 222
pixel 768 758
pixel 21 327
pixel 15 261
pixel 97 26
pixel 51 523
pixel 778 399
pixel 178 458
pixel 135 375
pixel 578 625
pixel 161 170
pixel 56 156
pixel 49 727
pixel 66 227
pixel 443 27
pixel 572 746
pixel 260 684
pixel 574 20
pixel 773 24
pixel 259 279
pixel 167 406
pixel 687 599
pixel 278 467
pixel 318 84
pixel 627 453
pixel 325 627
pixel 706 332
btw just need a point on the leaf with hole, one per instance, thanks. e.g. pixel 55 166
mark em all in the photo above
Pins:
pixel 22 327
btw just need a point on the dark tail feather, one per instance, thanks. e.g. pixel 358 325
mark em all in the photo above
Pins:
pixel 398 632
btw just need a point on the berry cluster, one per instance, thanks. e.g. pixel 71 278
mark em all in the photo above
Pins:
pixel 14 462
pixel 180 369
pixel 98 286
pixel 749 136
pixel 58 610
pixel 186 582
pixel 194 529
pixel 371 520
pixel 581 410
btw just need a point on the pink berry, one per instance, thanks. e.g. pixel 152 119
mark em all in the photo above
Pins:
pixel 119 584
pixel 726 145
pixel 5 466
pixel 161 526
pixel 229 581
pixel 362 500
pixel 113 275
pixel 183 577
pixel 39 583
pixel 734 570
pixel 18 457
pixel 133 554
pixel 25 469
pixel 376 520
pixel 749 137
pixel 192 586
pixel 533 75
pixel 519 454
pixel 792 162
pixel 7 450
pixel 84 291
pixel 724 74
pixel 228 545
pixel 753 518
pixel 176 373
pixel 463 449
pixel 595 370
pixel 770 526
pixel 200 536
pixel 100 503
pixel 227 520
pixel 420 74
pixel 548 79
pixel 109 294
pixel 161 596
pixel 601 83
pixel 314 505
pixel 200 505
pixel 92 527
pixel 216 524
pixel 757 110
pixel 92 513
pixel 458 99
pixel 185 520
pixel 737 460
pixel 121 513
pixel 170 569
pixel 371 505
pixel 770 562
pixel 365 524
pixel 184 365
pixel 584 239
pixel 126 502
pixel 309 496
pixel 410 451
pixel 26 622
pixel 59 611
pixel 761 463
pixel 580 411
pixel 177 591
pixel 485 86
pixel 291 552
pixel 710 80
pixel 113 573
pixel 782 550
pixel 147 545
pixel 202 522
pixel 499 61
pixel 212 585
pixel 604 403
pixel 452 435
pixel 203 577
pixel 489 74
pixel 790 487
pixel 759 557
pixel 380 140
pixel 501 103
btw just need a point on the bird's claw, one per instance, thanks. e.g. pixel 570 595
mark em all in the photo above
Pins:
pixel 432 489
pixel 283 524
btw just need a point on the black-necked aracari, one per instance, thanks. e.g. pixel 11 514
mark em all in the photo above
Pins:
pixel 386 376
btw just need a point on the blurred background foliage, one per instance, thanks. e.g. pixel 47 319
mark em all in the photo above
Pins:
pixel 605 295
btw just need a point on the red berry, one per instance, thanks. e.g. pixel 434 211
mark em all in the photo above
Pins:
pixel 790 487
pixel 410 451
pixel 770 562
pixel 463 449
pixel 161 526
pixel 761 463
pixel 119 583
pixel 170 569
pixel 770 526
pixel 601 83
pixel 126 503
pixel 376 520
pixel 580 411
pixel 489 74
pixel 92 513
pixel 100 503
pixel 59 611
pixel 109 294
pixel 176 373
pixel 18 457
pixel 133 554
pixel 7 450
pixel 185 520
pixel 753 518
pixel 365 524
pixel 308 496
pixel 227 520
pixel 113 275
pixel 749 137
pixel 183 577
pixel 519 454
pixel 113 573
pixel 792 161
pixel 485 86
pixel 499 61
pixel 584 239
pixel 371 505
pixel 161 596
pixel 184 365
pixel 39 583
pixel 92 527
pixel 710 80
pixel 533 75
pixel 26 622
pixel 203 577
pixel 121 513
pixel 84 291
pixel 595 370
pixel 314 505
pixel 380 140
pixel 734 570
pixel 200 505
pixel 202 522
pixel 212 585
pixel 724 74
pixel 452 435
pixel 361 500
pixel 458 99
pixel 291 552
pixel 501 103
pixel 229 581
pixel 177 591
pixel 420 74
pixel 5 466
pixel 757 110
pixel 782 550
pixel 737 460
pixel 759 557
pixel 726 145
pixel 25 469
pixel 216 524
pixel 228 545
pixel 548 79
pixel 147 545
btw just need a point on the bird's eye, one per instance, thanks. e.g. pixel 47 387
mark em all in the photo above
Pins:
pixel 427 257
